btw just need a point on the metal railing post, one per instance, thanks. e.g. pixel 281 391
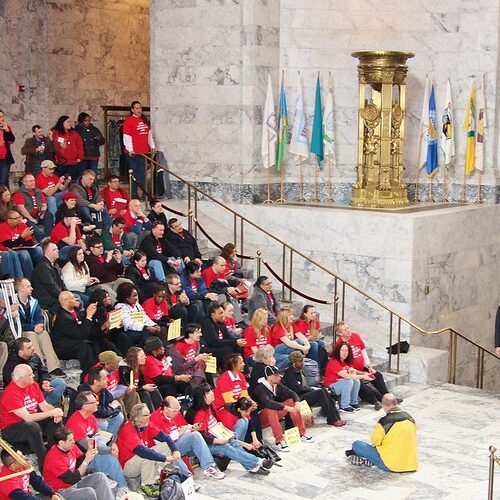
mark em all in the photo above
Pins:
pixel 191 221
pixel 241 242
pixel 491 471
pixel 130 173
pixel 195 212
pixel 336 302
pixel 389 368
pixel 283 270
pixel 258 263
pixel 399 344
pixel 235 229
pixel 291 276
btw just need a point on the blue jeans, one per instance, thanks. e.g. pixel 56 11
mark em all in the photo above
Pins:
pixel 54 397
pixel 109 464
pixel 100 219
pixel 240 428
pixel 90 165
pixel 193 443
pixel 10 265
pixel 54 201
pixel 159 270
pixel 138 166
pixel 111 425
pixel 25 262
pixel 64 252
pixel 4 173
pixel 348 390
pixel 84 298
pixel 42 228
pixel 234 451
pixel 366 450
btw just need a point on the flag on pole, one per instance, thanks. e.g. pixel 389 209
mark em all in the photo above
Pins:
pixel 424 126
pixel 481 124
pixel 328 137
pixel 299 144
pixel 269 133
pixel 282 127
pixel 448 130
pixel 432 142
pixel 470 128
pixel 317 131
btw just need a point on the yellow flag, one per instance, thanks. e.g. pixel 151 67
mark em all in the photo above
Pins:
pixel 470 128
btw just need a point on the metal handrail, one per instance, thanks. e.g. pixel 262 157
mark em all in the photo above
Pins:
pixel 454 334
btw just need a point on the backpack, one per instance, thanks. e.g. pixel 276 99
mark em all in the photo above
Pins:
pixel 170 479
pixel 311 371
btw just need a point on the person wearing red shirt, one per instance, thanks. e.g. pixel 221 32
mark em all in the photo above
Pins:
pixel 343 378
pixel 230 322
pixel 67 235
pixel 217 272
pixel 138 453
pixel 137 225
pixel 258 334
pixel 283 339
pixel 168 418
pixel 138 140
pixel 19 486
pixel 156 307
pixel 52 186
pixel 31 203
pixel 373 391
pixel 25 414
pixel 6 159
pixel 115 198
pixel 69 148
pixel 67 470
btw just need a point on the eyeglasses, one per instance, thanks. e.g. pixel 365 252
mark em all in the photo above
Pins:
pixel 98 246
pixel 175 284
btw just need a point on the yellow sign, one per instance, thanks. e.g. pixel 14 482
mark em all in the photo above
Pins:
pixel 137 317
pixel 131 380
pixel 221 432
pixel 292 436
pixel 174 329
pixel 211 364
pixel 115 318
pixel 305 409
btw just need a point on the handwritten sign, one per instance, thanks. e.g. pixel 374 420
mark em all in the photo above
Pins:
pixel 211 364
pixel 292 436
pixel 137 317
pixel 174 329
pixel 115 318
pixel 221 432
pixel 305 409
pixel 188 488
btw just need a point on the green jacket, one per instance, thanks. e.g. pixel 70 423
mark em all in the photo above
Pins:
pixel 107 241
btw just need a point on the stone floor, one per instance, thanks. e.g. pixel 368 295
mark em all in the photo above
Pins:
pixel 456 425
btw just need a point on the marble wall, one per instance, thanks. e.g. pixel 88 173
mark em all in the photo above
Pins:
pixel 71 57
pixel 206 98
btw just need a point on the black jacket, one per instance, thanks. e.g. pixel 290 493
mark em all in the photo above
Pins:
pixel 148 246
pixel 210 330
pixel 91 138
pixel 185 244
pixel 39 371
pixel 144 287
pixel 68 334
pixel 266 399
pixel 47 284
pixel 296 381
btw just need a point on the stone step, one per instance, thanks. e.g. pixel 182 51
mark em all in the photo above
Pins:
pixel 393 380
pixel 72 369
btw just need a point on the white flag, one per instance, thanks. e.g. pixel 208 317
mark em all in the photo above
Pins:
pixel 299 144
pixel 269 131
pixel 424 125
pixel 448 127
pixel 328 137
pixel 481 125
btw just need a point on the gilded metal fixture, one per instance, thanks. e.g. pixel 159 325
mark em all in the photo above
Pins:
pixel 382 91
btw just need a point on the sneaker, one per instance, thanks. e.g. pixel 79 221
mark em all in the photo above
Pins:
pixel 121 494
pixel 266 463
pixel 214 472
pixel 377 406
pixel 348 409
pixel 259 471
pixel 349 453
pixel 307 439
pixel 282 446
pixel 58 373
pixel 355 460
pixel 356 407
pixel 151 490
pixel 399 400
pixel 222 462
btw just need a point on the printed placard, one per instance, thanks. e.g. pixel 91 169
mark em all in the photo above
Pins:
pixel 211 364
pixel 115 318
pixel 174 329
pixel 292 436
pixel 131 383
pixel 188 488
pixel 221 432
pixel 305 409
pixel 137 317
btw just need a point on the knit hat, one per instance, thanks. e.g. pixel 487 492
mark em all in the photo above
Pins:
pixel 69 196
pixel 295 356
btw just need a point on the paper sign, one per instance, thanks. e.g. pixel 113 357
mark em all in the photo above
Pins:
pixel 188 488
pixel 174 329
pixel 305 409
pixel 131 380
pixel 115 318
pixel 292 436
pixel 108 436
pixel 221 432
pixel 211 364
pixel 137 317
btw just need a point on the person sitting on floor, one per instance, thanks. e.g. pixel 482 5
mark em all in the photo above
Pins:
pixel 76 275
pixel 394 441
pixel 115 198
pixel 115 238
pixel 141 275
pixel 156 307
pixel 184 241
pixel 157 213
pixel 264 297
pixel 52 186
pixel 137 225
pixel 179 304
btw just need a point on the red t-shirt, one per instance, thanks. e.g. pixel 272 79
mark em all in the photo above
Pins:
pixel 155 311
pixel 113 378
pixel 82 427
pixel 130 220
pixel 357 346
pixel 43 182
pixel 138 129
pixel 169 426
pixel 253 341
pixel 333 367
pixel 15 398
pixel 209 276
pixel 60 462
pixel 227 382
pixel 277 331
pixel 130 438
pixel 7 486
pixel 187 350
pixel 60 231
pixel 115 199
pixel 18 199
pixel 8 233
pixel 303 326
pixel 208 419
pixel 155 367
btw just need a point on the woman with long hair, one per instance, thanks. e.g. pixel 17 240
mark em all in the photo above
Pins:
pixel 141 275
pixel 5 202
pixel 76 275
pixel 69 148
pixel 343 378
pixel 205 414
pixel 132 375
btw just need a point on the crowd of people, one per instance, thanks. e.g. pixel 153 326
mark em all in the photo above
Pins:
pixel 100 281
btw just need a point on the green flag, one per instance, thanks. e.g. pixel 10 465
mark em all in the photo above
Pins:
pixel 282 128
pixel 317 131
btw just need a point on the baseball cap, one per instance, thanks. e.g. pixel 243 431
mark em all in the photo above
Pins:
pixel 110 357
pixel 271 370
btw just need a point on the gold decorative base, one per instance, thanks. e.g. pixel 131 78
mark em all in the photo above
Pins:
pixel 376 198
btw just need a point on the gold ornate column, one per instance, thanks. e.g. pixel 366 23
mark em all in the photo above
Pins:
pixel 382 92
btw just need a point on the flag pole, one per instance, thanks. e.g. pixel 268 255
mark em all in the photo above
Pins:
pixel 316 199
pixel 301 163
pixel 462 198
pixel 415 199
pixel 478 199
pixel 268 175
pixel 480 172
pixel 281 199
pixel 431 200
pixel 330 179
pixel 445 198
